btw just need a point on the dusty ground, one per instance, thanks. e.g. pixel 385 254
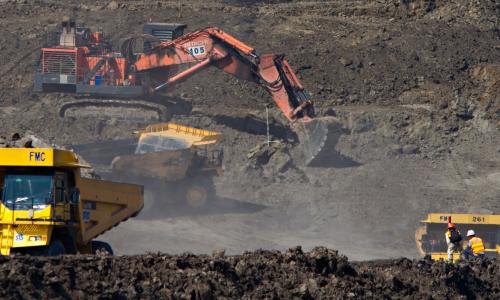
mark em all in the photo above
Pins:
pixel 415 83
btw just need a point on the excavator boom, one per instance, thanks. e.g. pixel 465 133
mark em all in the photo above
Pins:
pixel 214 47
pixel 172 62
pixel 87 66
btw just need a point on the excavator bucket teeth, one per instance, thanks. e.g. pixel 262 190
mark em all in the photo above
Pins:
pixel 314 135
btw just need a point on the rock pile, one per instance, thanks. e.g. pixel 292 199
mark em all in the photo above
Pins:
pixel 320 273
pixel 29 140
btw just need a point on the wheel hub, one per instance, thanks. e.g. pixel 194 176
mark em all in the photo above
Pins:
pixel 196 196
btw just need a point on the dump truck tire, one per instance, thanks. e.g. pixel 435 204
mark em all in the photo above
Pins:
pixel 420 234
pixel 56 247
pixel 100 247
pixel 199 193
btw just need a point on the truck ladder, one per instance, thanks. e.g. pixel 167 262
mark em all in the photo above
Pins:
pixel 6 239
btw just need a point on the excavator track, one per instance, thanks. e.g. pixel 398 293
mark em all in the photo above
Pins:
pixel 126 110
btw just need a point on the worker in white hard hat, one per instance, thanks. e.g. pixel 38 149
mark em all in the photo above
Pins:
pixel 475 247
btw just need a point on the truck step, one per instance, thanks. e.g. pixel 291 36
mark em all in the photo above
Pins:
pixel 6 239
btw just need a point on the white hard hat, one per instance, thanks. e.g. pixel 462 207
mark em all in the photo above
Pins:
pixel 471 232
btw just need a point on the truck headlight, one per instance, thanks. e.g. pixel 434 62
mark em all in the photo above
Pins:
pixel 35 238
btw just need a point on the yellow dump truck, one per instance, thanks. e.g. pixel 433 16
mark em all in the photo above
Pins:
pixel 430 236
pixel 47 208
pixel 173 162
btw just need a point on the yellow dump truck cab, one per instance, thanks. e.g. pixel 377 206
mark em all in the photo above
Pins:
pixel 174 160
pixel 47 208
pixel 430 235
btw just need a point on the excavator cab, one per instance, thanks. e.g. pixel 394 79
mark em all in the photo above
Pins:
pixel 163 32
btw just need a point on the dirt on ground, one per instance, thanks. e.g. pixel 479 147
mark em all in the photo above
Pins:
pixel 415 83
pixel 293 274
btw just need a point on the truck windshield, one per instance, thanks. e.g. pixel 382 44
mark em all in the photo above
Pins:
pixel 23 192
pixel 158 143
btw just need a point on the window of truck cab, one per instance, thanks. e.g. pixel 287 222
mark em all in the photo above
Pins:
pixel 24 189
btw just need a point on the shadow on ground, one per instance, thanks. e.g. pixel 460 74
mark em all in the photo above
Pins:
pixel 329 157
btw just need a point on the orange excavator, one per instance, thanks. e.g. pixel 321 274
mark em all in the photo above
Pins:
pixel 170 57
pixel 214 47
pixel 164 66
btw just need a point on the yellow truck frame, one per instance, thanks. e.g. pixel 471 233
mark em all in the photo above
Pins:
pixel 430 236
pixel 47 208
pixel 174 160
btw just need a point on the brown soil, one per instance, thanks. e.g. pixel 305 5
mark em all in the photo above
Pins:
pixel 415 83
pixel 294 274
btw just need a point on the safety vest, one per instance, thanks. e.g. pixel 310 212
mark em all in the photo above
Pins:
pixel 477 245
pixel 448 233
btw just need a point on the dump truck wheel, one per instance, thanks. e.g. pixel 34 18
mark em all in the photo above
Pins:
pixel 198 194
pixel 420 234
pixel 99 247
pixel 56 247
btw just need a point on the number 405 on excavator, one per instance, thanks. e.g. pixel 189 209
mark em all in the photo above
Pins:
pixel 80 61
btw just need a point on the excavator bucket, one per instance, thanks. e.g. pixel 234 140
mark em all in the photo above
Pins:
pixel 317 136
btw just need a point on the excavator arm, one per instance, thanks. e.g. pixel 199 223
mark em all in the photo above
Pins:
pixel 172 62
pixel 166 65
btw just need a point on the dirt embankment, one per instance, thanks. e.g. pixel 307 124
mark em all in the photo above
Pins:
pixel 320 273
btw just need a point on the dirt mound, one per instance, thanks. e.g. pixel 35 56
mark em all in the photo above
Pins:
pixel 25 140
pixel 29 140
pixel 320 273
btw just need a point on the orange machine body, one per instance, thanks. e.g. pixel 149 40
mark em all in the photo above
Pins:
pixel 83 62
pixel 172 62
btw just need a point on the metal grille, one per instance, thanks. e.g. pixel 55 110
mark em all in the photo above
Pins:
pixel 28 229
pixel 213 157
pixel 163 35
pixel 59 62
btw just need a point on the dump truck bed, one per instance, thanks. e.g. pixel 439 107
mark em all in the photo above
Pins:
pixel 188 136
pixel 164 151
pixel 104 204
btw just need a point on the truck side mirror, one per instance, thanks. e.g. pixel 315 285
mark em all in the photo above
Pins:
pixel 75 196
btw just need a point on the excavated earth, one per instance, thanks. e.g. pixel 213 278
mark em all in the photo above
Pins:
pixel 416 86
pixel 263 274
